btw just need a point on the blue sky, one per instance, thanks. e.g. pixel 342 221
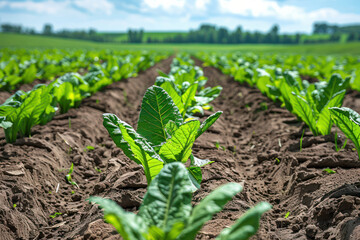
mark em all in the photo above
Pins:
pixel 178 15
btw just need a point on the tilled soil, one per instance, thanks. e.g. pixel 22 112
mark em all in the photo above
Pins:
pixel 258 146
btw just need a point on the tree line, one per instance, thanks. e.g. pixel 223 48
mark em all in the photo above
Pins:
pixel 207 33
pixel 91 34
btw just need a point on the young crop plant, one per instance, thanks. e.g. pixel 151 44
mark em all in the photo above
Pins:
pixel 311 102
pixel 349 123
pixel 185 85
pixel 23 110
pixel 162 136
pixel 166 212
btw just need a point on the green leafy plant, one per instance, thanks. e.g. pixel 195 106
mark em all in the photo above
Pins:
pixel 336 143
pixel 301 139
pixel 166 212
pixel 55 215
pixel 185 85
pixel 311 102
pixel 161 137
pixel 329 171
pixel 349 123
pixel 23 111
pixel 68 176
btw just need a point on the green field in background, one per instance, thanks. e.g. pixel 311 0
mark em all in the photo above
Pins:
pixel 28 41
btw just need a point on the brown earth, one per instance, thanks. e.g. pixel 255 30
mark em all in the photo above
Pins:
pixel 259 147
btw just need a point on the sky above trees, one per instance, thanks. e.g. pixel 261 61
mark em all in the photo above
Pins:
pixel 178 15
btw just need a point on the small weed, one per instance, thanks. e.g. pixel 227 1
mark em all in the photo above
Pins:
pixel 69 151
pixel 97 101
pixel 89 148
pixel 68 176
pixel 301 139
pixel 287 215
pixel 336 143
pixel 329 171
pixel 277 161
pixel 14 205
pixel 72 192
pixel 69 122
pixel 218 146
pixel 55 215
pixel 98 170
pixel 264 106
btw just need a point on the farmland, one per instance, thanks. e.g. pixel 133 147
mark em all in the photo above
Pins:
pixel 188 141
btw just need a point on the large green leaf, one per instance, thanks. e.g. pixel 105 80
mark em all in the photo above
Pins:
pixel 247 225
pixel 208 122
pixel 64 95
pixel 33 117
pixel 326 91
pixel 210 205
pixel 349 123
pixel 188 97
pixel 178 147
pixel 324 122
pixel 167 86
pixel 168 199
pixel 304 111
pixel 157 109
pixel 128 225
pixel 134 145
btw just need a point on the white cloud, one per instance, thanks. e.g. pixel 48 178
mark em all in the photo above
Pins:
pixel 201 4
pixel 269 8
pixel 95 6
pixel 47 7
pixel 165 4
pixel 54 7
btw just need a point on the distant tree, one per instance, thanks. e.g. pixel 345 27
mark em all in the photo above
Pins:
pixel 47 30
pixel 135 36
pixel 7 27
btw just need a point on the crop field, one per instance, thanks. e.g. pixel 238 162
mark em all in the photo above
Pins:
pixel 178 142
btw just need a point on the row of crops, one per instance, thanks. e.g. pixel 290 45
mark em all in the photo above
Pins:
pixel 24 66
pixel 166 131
pixel 316 101
pixel 168 123
pixel 24 110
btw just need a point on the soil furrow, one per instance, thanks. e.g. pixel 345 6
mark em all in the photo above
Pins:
pixel 33 170
pixel 260 148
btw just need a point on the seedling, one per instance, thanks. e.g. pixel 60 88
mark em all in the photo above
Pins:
pixel 68 176
pixel 55 215
pixel 277 161
pixel 14 205
pixel 167 213
pixel 98 170
pixel 264 106
pixel 287 215
pixel 301 139
pixel 329 171
pixel 69 122
pixel 97 101
pixel 162 136
pixel 89 148
pixel 336 143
